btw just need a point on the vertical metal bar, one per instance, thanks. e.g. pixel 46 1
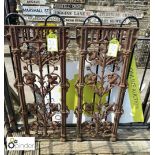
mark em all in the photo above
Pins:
pixel 122 86
pixel 13 65
pixel 146 98
pixel 8 102
pixel 6 122
pixel 7 21
pixel 62 43
pixel 97 68
pixel 102 74
pixel 7 6
pixel 137 22
pixel 27 33
pixel 18 70
pixel 48 71
pixel 81 81
pixel 113 67
pixel 147 114
pixel 42 89
pixel 148 59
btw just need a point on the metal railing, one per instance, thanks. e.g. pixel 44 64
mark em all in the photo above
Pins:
pixel 28 45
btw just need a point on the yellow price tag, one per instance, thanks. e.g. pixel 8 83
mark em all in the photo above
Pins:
pixel 52 42
pixel 113 48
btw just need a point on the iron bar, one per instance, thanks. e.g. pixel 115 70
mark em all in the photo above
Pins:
pixel 144 73
pixel 147 114
pixel 144 104
pixel 63 82
pixel 6 122
pixel 7 21
pixel 80 83
pixel 8 103
pixel 18 71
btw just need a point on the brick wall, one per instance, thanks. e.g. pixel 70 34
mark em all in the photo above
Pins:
pixel 131 6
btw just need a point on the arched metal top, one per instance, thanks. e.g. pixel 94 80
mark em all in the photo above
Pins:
pixel 137 21
pixel 130 17
pixel 93 16
pixel 14 14
pixel 61 19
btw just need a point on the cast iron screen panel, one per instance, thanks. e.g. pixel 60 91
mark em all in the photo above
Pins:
pixel 108 74
pixel 29 47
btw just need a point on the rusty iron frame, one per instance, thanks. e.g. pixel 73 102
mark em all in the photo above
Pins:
pixel 28 45
pixel 101 35
pixel 86 36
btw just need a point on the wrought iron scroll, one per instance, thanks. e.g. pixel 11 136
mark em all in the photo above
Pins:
pixel 28 45
pixel 93 42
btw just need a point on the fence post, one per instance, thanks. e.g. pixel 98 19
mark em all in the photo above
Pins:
pixel 8 103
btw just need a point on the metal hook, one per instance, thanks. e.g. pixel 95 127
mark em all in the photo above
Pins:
pixel 14 14
pixel 61 19
pixel 130 17
pixel 93 16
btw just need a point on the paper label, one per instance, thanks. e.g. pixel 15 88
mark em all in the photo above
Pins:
pixel 52 42
pixel 113 48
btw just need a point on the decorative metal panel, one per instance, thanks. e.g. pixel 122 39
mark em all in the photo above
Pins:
pixel 29 48
pixel 110 72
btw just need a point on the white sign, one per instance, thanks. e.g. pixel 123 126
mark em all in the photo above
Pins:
pixel 114 20
pixel 68 1
pixel 36 10
pixel 72 13
pixel 38 2
pixel 120 14
pixel 76 20
pixel 40 18
pixel 20 143
pixel 101 8
pixel 94 20
pixel 66 6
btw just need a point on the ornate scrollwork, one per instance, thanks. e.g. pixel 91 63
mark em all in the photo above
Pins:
pixel 98 112
pixel 97 128
pixel 30 78
pixel 44 114
pixel 32 51
pixel 90 79
pixel 30 54
pixel 101 87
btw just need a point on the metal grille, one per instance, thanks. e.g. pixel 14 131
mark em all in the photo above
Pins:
pixel 96 70
pixel 93 42
pixel 28 45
